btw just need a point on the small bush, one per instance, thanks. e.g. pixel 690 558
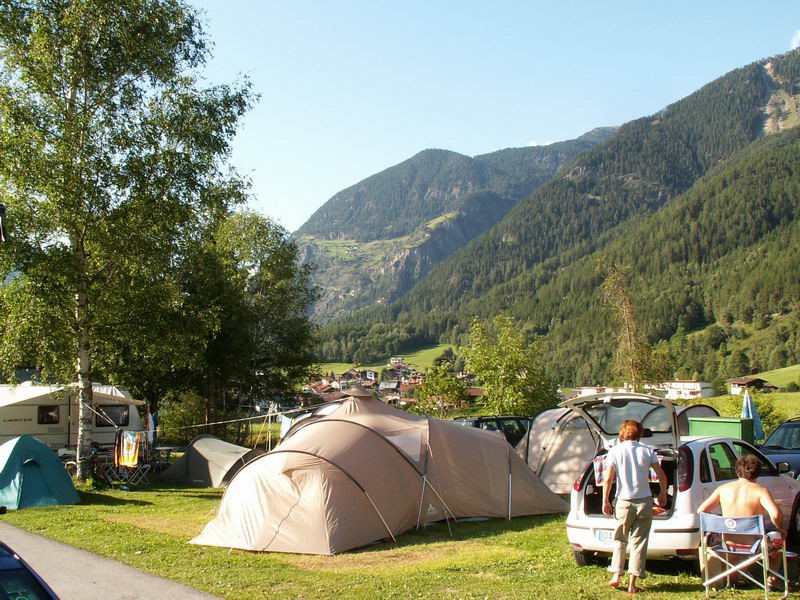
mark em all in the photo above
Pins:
pixel 178 412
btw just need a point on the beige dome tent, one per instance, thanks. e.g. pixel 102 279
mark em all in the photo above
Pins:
pixel 559 443
pixel 208 462
pixel 557 447
pixel 367 472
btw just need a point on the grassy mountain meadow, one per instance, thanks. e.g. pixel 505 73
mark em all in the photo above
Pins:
pixel 374 241
pixel 700 200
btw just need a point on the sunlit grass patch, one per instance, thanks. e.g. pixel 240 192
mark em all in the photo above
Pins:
pixel 149 528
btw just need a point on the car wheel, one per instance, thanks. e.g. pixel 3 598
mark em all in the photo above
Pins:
pixel 584 558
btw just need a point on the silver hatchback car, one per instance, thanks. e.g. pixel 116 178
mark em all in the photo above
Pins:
pixel 695 466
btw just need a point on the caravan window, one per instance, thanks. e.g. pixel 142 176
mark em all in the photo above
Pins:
pixel 110 415
pixel 48 415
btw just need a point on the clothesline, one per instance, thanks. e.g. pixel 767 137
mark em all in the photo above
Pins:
pixel 267 416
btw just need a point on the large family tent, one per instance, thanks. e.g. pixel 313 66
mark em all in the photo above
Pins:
pixel 208 462
pixel 367 472
pixel 559 443
pixel 32 475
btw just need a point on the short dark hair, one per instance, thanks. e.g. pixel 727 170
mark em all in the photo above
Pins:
pixel 748 467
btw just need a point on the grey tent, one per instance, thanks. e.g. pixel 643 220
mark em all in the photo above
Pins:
pixel 368 471
pixel 208 462
pixel 559 443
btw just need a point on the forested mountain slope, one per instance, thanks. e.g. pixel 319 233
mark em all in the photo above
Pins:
pixel 599 199
pixel 373 241
pixel 716 276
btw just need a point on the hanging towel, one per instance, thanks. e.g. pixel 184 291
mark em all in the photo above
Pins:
pixel 129 449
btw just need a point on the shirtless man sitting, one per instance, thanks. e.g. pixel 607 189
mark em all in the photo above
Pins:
pixel 745 498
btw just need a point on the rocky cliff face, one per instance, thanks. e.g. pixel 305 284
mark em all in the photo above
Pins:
pixel 351 274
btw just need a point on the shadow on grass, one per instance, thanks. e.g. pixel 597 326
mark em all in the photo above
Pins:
pixel 183 490
pixel 103 499
pixel 463 530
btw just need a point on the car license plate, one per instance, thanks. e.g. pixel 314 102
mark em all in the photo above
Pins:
pixel 604 535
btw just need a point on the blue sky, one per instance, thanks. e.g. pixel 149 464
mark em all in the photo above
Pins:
pixel 350 88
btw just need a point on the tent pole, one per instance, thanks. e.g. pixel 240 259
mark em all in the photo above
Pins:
pixel 421 499
pixel 509 482
pixel 424 474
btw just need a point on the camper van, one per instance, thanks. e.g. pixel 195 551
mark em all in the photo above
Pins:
pixel 50 413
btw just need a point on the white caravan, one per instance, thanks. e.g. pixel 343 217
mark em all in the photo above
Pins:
pixel 50 413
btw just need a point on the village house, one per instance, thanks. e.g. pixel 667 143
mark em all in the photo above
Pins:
pixel 687 389
pixel 739 385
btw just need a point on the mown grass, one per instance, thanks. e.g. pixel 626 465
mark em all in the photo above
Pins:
pixel 788 403
pixel 498 559
pixel 420 360
pixel 781 377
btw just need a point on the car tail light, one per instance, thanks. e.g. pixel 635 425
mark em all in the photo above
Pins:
pixel 685 468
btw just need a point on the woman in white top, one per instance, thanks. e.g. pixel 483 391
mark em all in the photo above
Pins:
pixel 629 463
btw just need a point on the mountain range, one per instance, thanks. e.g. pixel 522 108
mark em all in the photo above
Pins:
pixel 700 201
pixel 373 241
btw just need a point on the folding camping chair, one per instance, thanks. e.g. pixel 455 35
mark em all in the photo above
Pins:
pixel 736 559
pixel 132 456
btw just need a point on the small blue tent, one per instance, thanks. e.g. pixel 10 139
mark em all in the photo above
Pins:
pixel 32 475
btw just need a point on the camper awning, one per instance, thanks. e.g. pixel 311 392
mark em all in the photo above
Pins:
pixel 14 394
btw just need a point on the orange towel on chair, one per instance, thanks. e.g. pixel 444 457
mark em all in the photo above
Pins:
pixel 129 449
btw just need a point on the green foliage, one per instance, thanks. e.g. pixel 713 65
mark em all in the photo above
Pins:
pixel 111 162
pixel 635 361
pixel 179 415
pixel 440 392
pixel 508 368
pixel 126 261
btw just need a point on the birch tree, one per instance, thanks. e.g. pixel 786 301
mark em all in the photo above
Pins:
pixel 111 157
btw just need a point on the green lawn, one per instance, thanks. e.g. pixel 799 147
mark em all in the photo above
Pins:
pixel 788 403
pixel 781 377
pixel 420 360
pixel 497 559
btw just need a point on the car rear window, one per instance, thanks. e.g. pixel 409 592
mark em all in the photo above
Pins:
pixel 609 416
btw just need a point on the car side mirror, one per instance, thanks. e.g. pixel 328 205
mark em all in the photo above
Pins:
pixel 784 467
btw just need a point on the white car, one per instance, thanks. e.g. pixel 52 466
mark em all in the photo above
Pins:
pixel 695 466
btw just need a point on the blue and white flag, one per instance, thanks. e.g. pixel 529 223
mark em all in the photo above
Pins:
pixel 749 411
